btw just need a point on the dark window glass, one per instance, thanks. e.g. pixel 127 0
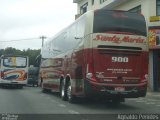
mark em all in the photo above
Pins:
pixel 116 21
pixel 158 7
pixel 136 9
pixel 83 8
pixel 100 1
pixel 92 2
pixel 18 62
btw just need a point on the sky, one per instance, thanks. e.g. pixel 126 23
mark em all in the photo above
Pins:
pixel 23 22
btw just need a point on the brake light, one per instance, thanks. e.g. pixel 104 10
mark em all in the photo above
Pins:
pixel 144 78
pixel 89 75
pixel 90 72
pixel 2 74
pixel 25 76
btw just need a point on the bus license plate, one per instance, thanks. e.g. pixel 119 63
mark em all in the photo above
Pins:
pixel 120 89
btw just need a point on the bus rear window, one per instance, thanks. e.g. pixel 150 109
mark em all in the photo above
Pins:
pixel 15 62
pixel 118 21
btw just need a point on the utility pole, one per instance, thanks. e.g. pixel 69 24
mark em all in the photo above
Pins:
pixel 43 37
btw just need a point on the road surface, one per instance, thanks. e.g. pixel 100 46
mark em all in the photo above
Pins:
pixel 32 101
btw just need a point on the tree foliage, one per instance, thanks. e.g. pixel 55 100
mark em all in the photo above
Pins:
pixel 32 54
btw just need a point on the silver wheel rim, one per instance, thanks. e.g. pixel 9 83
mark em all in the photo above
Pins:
pixel 69 91
pixel 62 91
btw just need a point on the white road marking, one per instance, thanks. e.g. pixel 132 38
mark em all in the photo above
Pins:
pixel 61 105
pixel 150 103
pixel 141 98
pixel 73 112
pixel 153 100
pixel 42 95
pixel 131 99
pixel 156 95
pixel 140 101
pixel 158 105
pixel 53 101
pixel 48 98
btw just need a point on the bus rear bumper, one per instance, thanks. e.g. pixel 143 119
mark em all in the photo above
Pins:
pixel 4 83
pixel 110 91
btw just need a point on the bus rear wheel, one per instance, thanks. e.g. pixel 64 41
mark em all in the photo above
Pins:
pixel 71 98
pixel 63 91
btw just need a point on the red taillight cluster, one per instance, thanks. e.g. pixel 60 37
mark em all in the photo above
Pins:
pixel 90 72
pixel 25 76
pixel 144 78
pixel 90 76
pixel 2 74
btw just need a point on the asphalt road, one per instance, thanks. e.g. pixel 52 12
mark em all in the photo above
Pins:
pixel 31 100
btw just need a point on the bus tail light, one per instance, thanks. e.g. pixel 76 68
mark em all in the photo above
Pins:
pixel 90 72
pixel 2 74
pixel 144 78
pixel 89 75
pixel 25 76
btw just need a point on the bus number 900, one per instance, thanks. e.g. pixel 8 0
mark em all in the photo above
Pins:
pixel 119 59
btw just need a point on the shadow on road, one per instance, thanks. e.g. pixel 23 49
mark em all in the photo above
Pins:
pixel 104 104
pixel 11 87
pixel 97 104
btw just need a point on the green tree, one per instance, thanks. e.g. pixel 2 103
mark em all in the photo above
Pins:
pixel 32 54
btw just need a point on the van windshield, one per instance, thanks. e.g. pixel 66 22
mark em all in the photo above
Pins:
pixel 117 21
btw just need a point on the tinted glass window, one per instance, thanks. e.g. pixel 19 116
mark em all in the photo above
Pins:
pixel 158 7
pixel 136 9
pixel 15 62
pixel 116 21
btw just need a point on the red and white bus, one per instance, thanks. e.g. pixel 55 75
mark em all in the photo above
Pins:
pixel 103 53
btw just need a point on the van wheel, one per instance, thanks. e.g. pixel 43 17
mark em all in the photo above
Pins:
pixel 63 91
pixel 71 98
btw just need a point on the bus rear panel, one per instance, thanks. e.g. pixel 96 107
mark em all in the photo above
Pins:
pixel 14 71
pixel 118 63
